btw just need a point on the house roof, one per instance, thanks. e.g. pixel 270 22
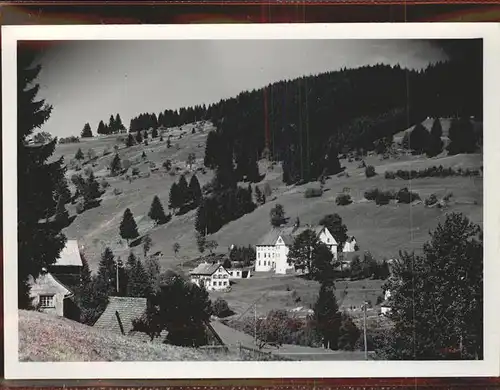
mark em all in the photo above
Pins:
pixel 47 283
pixel 351 239
pixel 288 234
pixel 128 308
pixel 70 255
pixel 205 269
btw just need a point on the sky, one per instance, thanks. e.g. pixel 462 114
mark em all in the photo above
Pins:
pixel 86 81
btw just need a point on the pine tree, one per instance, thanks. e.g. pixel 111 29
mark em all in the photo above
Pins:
pixel 174 198
pixel 277 215
pixel 112 125
pixel 326 317
pixel 106 273
pixel 131 261
pixel 348 333
pixel 259 196
pixel 39 243
pixel 169 144
pixel 183 191
pixel 119 124
pixel 145 135
pixel 143 155
pixel 450 270
pixel 92 192
pixel 153 271
pixel 435 142
pixel 130 140
pixel 116 165
pixel 87 131
pixel 147 244
pixel 79 154
pixel 128 227
pixel 62 215
pixel 154 133
pixel 462 137
pixel 156 211
pixel 194 191
pixel 419 138
pixel 138 137
pixel 101 128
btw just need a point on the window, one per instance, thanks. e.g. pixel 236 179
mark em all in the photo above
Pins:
pixel 47 301
pixel 258 255
pixel 220 283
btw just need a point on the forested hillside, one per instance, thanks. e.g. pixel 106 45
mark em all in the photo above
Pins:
pixel 307 121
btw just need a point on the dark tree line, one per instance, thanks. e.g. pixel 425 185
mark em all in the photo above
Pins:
pixel 183 196
pixel 114 126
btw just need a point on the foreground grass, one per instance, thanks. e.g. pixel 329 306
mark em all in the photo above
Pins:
pixel 44 338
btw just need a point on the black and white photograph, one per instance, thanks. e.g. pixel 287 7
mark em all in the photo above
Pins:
pixel 267 199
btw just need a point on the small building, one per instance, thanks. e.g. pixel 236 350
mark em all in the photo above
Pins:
pixel 350 245
pixel 239 273
pixel 214 277
pixel 51 296
pixel 52 291
pixel 385 306
pixel 272 250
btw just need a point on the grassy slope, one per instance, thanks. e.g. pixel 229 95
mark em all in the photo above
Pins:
pixel 381 230
pixel 46 338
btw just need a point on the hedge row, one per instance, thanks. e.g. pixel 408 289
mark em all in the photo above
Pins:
pixel 384 197
pixel 432 172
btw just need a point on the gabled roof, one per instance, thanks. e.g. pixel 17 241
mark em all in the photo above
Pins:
pixel 47 283
pixel 70 255
pixel 206 269
pixel 288 234
pixel 128 308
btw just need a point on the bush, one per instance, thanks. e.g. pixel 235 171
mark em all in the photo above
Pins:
pixel 221 308
pixel 117 191
pixel 343 199
pixel 69 140
pixel 383 197
pixel 135 171
pixel 405 196
pixel 389 175
pixel 80 208
pixel 370 171
pixel 447 197
pixel 431 200
pixel 371 194
pixel 313 192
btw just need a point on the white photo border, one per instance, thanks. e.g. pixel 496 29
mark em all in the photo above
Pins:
pixel 490 366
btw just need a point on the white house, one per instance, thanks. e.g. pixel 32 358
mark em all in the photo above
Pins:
pixel 385 306
pixel 350 245
pixel 213 276
pixel 272 250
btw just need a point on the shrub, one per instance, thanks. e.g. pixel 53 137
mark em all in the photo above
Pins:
pixel 167 165
pixel 69 140
pixel 80 208
pixel 383 197
pixel 313 192
pixel 343 199
pixel 431 200
pixel 221 308
pixel 117 191
pixel 135 171
pixel 389 175
pixel 370 171
pixel 371 194
pixel 447 197
pixel 405 196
